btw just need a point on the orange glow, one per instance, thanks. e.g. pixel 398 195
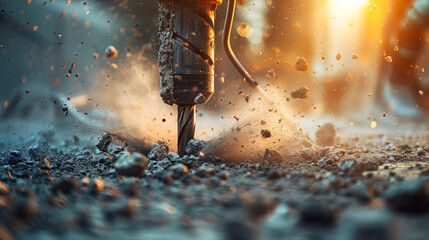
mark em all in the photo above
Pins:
pixel 352 3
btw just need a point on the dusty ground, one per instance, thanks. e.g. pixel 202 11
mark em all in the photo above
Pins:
pixel 373 189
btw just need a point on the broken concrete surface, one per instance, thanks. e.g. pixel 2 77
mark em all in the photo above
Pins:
pixel 328 191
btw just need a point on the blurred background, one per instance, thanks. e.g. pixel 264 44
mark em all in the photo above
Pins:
pixel 346 43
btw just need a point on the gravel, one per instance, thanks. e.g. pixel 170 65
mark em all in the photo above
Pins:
pixel 39 150
pixel 319 191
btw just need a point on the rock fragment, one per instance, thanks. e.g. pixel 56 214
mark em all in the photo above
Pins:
pixel 165 163
pixel 325 135
pixel 247 98
pixel 111 52
pixel 172 156
pixel 103 142
pixel 338 56
pixel 388 59
pixel 115 149
pixel 308 153
pixel 131 164
pixel 390 147
pixel 411 196
pixel 72 66
pixel 325 161
pixel 224 175
pixel 421 152
pixel 301 92
pixel 15 157
pixel 158 152
pixel 352 168
pixel 271 73
pixel 244 30
pixel 97 186
pixel 272 155
pixel 265 133
pixel 178 170
pixel 275 174
pixel 367 224
pixel 301 64
pixel 194 147
pixel 205 171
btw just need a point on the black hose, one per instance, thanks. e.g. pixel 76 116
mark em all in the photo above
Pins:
pixel 228 50
pixel 227 45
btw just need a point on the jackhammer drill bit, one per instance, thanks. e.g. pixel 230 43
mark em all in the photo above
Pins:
pixel 185 126
pixel 186 59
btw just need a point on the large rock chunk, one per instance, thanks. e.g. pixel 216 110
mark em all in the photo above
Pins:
pixel 272 156
pixel 367 224
pixel 301 92
pixel 159 152
pixel 15 157
pixel 104 142
pixel 352 168
pixel 131 164
pixel 409 196
pixel 194 147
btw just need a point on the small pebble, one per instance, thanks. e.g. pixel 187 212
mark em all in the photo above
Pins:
pixel 111 52
pixel 301 64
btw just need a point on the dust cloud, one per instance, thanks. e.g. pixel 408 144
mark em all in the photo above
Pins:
pixel 131 92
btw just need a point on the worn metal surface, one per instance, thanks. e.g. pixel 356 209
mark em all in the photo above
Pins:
pixel 185 126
